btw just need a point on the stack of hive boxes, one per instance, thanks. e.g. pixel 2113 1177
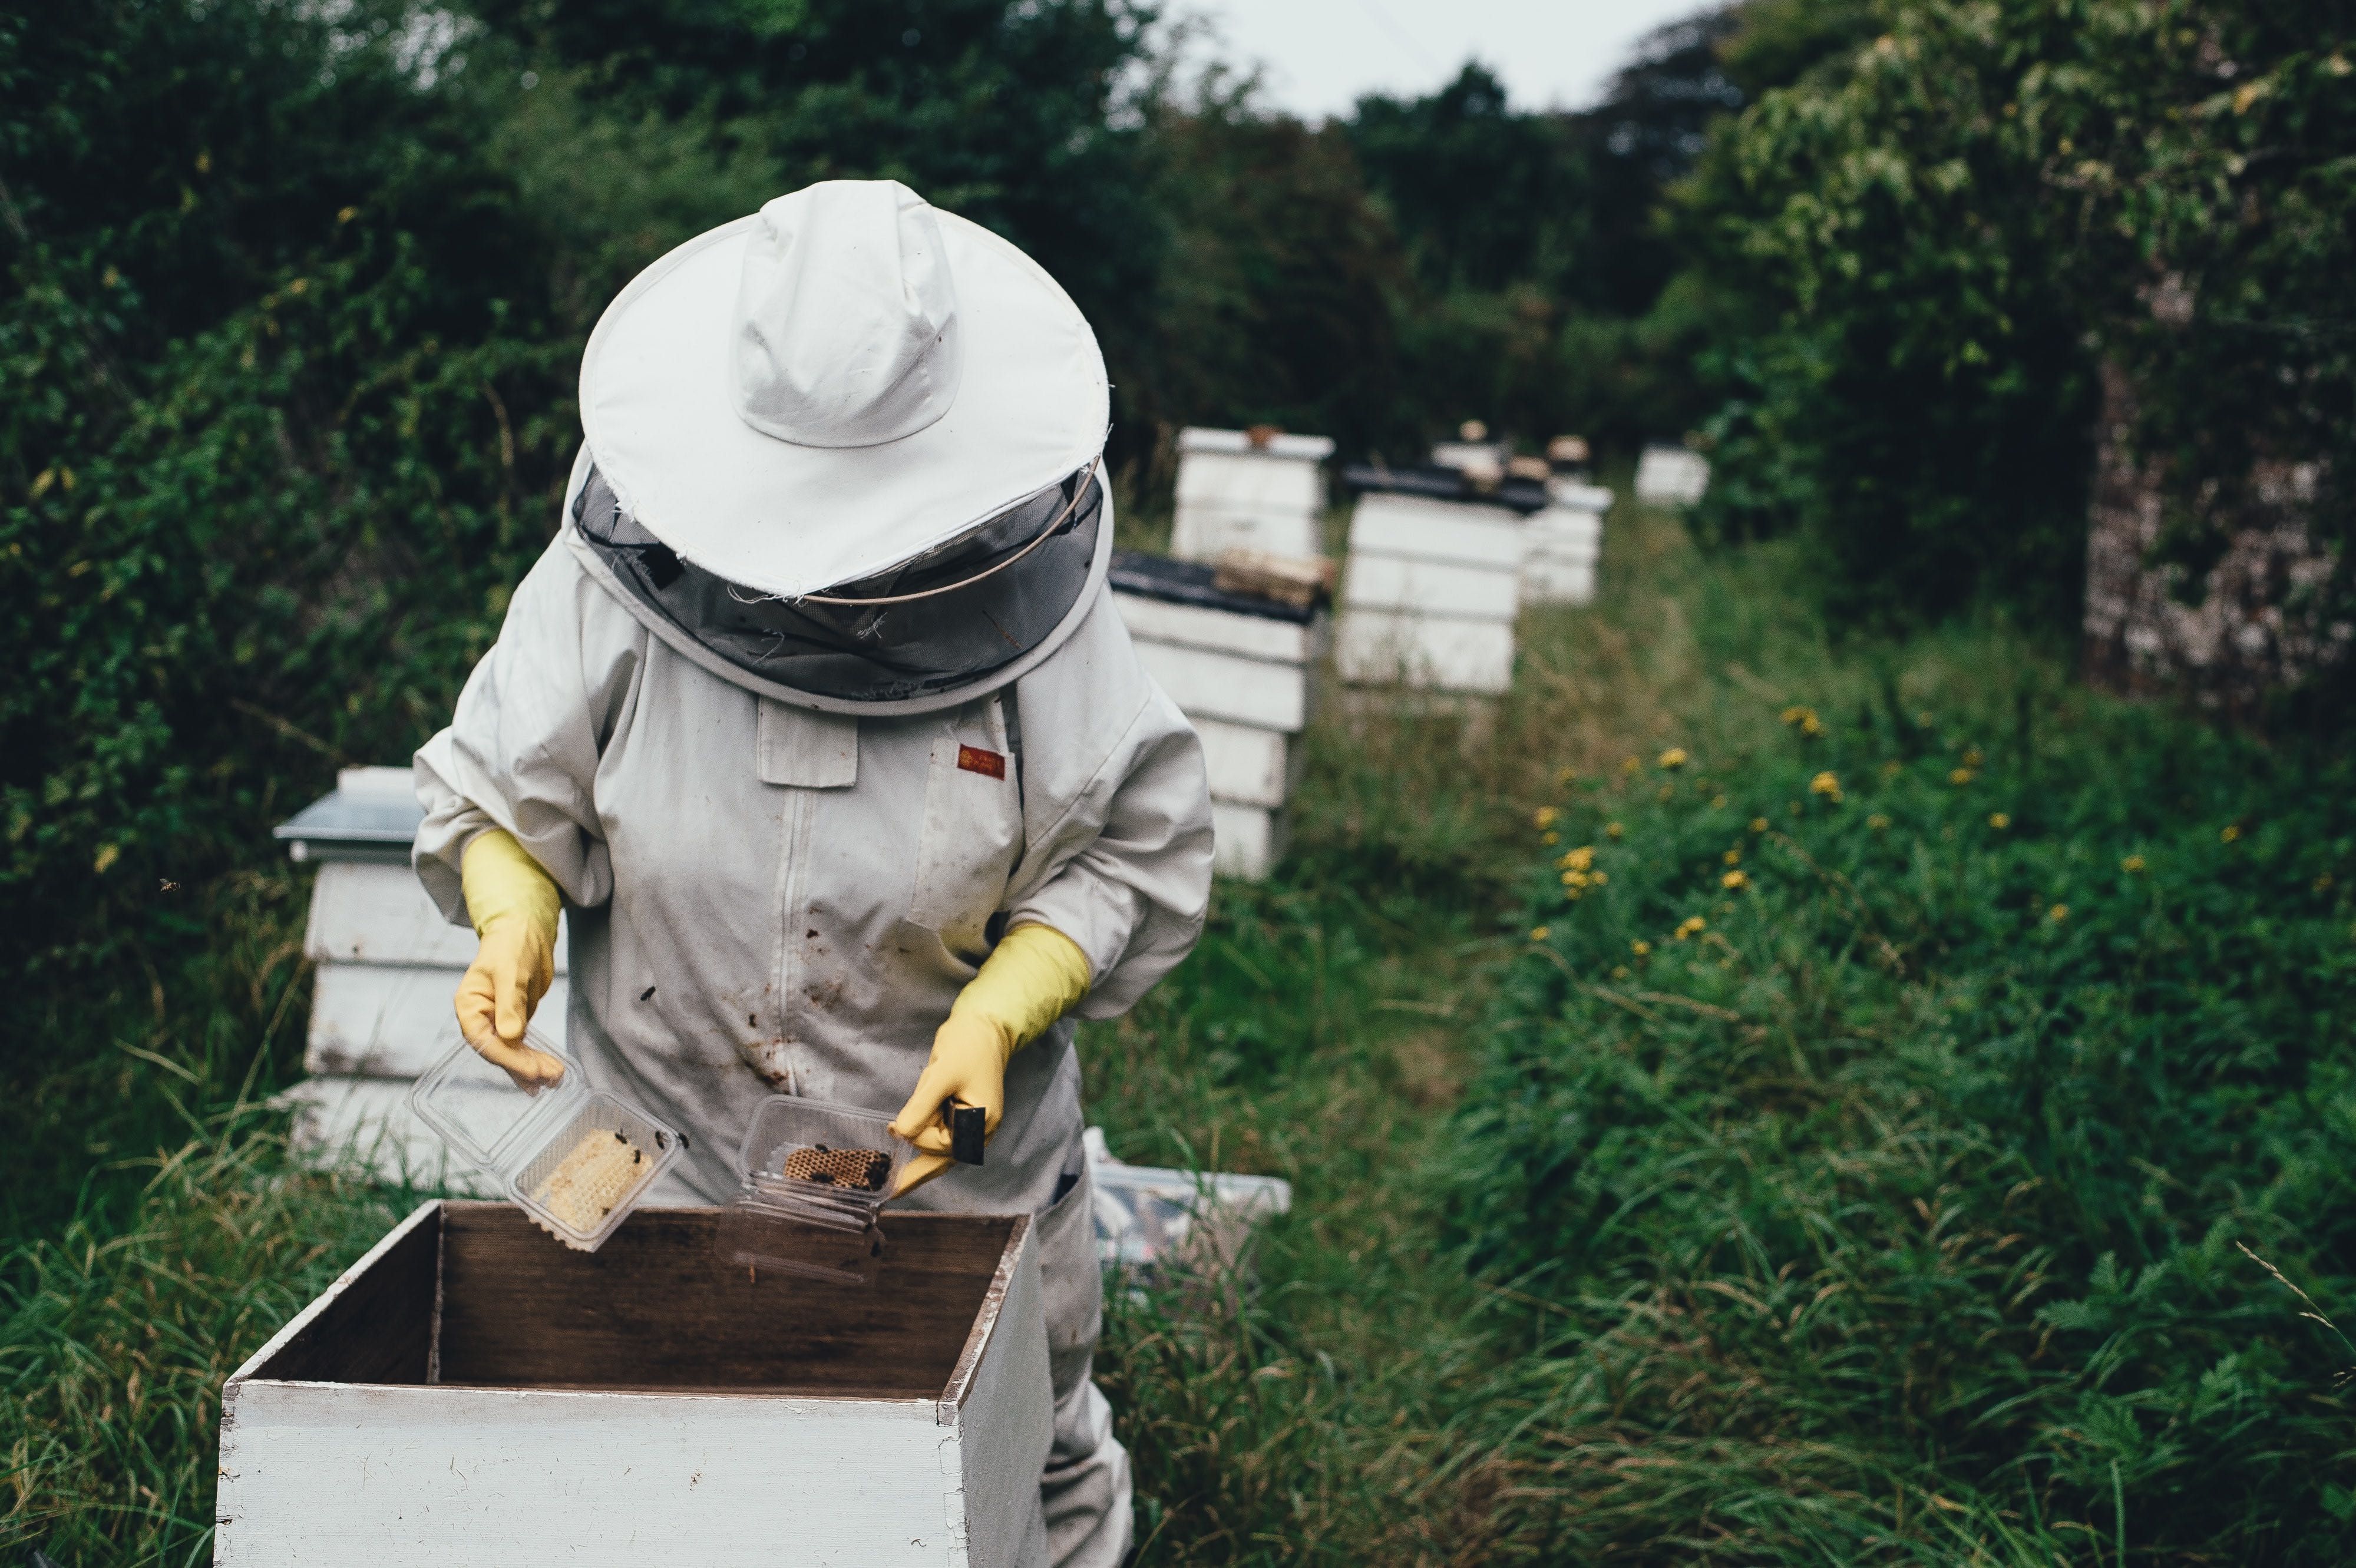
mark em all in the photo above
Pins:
pixel 1257 490
pixel 1239 666
pixel 387 965
pixel 1433 580
pixel 1566 538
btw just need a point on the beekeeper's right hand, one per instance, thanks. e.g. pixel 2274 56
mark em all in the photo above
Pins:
pixel 514 906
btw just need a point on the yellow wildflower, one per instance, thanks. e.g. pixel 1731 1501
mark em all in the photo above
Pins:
pixel 1999 820
pixel 1618 971
pixel 1734 857
pixel 1599 877
pixel 1674 757
pixel 1810 725
pixel 2232 832
pixel 1564 777
pixel 1827 784
pixel 1640 949
pixel 1537 933
pixel 1972 757
pixel 1758 824
pixel 1574 879
pixel 1960 777
pixel 1578 859
pixel 1735 881
pixel 1632 766
pixel 2132 865
pixel 1877 822
pixel 1545 816
pixel 1717 802
pixel 1549 837
pixel 2058 913
pixel 1612 830
pixel 1792 715
pixel 1689 926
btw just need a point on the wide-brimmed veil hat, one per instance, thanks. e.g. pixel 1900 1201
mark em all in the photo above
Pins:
pixel 837 385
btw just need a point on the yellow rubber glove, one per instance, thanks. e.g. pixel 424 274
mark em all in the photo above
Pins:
pixel 1031 978
pixel 513 905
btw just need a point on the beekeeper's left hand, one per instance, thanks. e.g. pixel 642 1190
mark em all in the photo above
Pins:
pixel 1031 978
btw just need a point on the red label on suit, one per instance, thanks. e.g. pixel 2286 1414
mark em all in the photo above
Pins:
pixel 974 760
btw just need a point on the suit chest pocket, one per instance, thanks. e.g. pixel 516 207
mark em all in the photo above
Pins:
pixel 972 833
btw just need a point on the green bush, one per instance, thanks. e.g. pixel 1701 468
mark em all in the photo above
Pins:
pixel 1883 1125
pixel 1941 232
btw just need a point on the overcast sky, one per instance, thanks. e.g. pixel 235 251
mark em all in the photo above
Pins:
pixel 1320 55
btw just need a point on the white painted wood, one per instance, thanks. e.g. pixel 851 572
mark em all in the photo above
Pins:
pixel 1580 495
pixel 1564 531
pixel 363 1127
pixel 1207 533
pixel 1301 448
pixel 1005 1422
pixel 382 1022
pixel 1427 587
pixel 1249 482
pixel 439 1476
pixel 1421 528
pixel 1671 476
pixel 1247 841
pixel 1471 456
pixel 1234 495
pixel 1220 631
pixel 1249 767
pixel 381 914
pixel 1375 647
pixel 1548 580
pixel 1221 685
pixel 453 1478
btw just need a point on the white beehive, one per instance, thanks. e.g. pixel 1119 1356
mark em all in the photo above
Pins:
pixel 1428 594
pixel 1241 667
pixel 471 1395
pixel 1566 540
pixel 1671 476
pixel 1245 490
pixel 386 967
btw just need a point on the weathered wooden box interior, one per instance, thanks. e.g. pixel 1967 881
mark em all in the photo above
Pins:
pixel 474 1395
pixel 478 1296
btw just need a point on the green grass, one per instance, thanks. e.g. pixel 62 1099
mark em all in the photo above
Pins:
pixel 1688 1263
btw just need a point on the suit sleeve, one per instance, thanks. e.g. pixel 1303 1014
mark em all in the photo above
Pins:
pixel 522 748
pixel 1129 866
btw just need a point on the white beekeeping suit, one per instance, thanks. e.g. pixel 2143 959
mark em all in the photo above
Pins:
pixel 791 819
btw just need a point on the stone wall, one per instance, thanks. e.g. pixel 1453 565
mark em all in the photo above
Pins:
pixel 2251 626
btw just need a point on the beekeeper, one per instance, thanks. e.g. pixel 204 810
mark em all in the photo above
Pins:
pixel 818 717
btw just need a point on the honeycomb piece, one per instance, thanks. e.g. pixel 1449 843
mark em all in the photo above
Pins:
pixel 599 1171
pixel 862 1170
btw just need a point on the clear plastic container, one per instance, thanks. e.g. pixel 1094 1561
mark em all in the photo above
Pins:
pixel 556 1152
pixel 814 1177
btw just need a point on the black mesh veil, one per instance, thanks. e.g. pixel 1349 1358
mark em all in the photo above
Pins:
pixel 872 653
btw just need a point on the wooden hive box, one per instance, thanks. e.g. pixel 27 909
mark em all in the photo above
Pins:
pixel 386 965
pixel 1241 669
pixel 1235 492
pixel 1566 540
pixel 470 1393
pixel 1429 594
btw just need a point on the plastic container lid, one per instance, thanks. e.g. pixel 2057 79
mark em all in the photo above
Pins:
pixel 814 1176
pixel 577 1160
